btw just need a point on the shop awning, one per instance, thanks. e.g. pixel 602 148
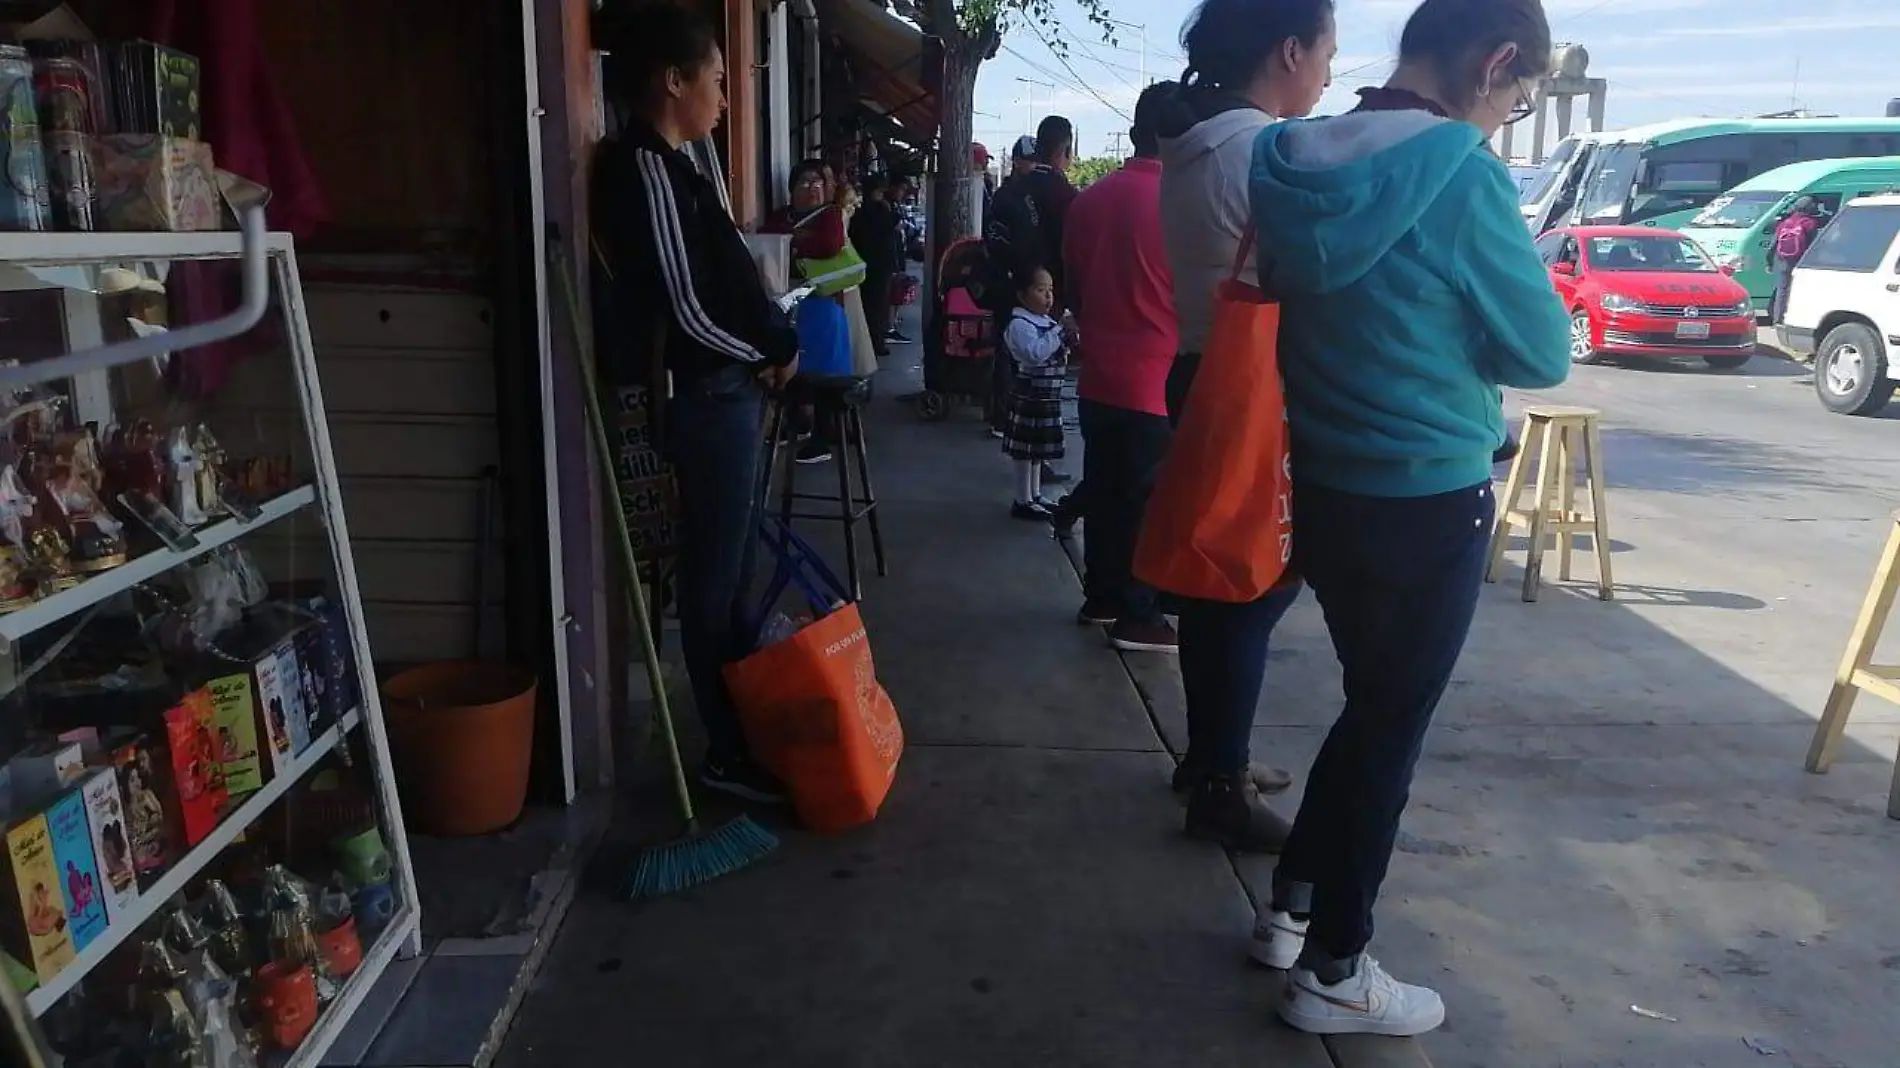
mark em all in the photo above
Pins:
pixel 898 68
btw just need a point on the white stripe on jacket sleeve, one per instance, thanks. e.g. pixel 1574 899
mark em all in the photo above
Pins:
pixel 663 216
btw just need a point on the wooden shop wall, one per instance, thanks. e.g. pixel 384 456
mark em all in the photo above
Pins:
pixel 393 102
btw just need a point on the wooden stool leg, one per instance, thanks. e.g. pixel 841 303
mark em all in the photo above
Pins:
pixel 1860 652
pixel 1594 468
pixel 1545 495
pixel 1568 442
pixel 1513 490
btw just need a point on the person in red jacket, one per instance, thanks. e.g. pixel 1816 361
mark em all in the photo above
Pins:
pixel 1122 294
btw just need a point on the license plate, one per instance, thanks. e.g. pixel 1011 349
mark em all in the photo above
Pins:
pixel 1692 330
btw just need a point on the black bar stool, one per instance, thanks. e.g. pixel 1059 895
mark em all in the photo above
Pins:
pixel 838 408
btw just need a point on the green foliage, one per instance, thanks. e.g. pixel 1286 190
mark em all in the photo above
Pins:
pixel 1086 172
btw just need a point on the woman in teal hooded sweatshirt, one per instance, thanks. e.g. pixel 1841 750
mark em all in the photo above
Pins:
pixel 1412 293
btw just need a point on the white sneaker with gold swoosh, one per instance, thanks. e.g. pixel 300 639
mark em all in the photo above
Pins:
pixel 1369 1003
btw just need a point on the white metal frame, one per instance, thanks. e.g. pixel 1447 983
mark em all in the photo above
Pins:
pixel 404 935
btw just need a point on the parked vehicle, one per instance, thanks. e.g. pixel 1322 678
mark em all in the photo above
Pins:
pixel 1637 292
pixel 1663 174
pixel 1844 307
pixel 1738 227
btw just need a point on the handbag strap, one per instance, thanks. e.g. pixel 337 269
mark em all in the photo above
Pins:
pixel 798 564
pixel 1242 251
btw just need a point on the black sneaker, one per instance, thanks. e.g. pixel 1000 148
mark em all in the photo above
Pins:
pixel 1227 809
pixel 812 452
pixel 1055 476
pixel 897 336
pixel 1096 612
pixel 742 779
pixel 1033 511
pixel 1144 636
pixel 1067 514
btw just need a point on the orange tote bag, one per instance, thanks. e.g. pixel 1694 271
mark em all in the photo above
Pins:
pixel 1219 524
pixel 810 704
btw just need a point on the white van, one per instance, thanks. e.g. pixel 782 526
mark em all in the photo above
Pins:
pixel 1844 307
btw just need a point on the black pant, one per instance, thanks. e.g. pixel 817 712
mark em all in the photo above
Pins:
pixel 1122 452
pixel 876 293
pixel 1784 284
pixel 1397 579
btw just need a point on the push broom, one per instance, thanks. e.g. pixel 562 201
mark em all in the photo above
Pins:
pixel 698 855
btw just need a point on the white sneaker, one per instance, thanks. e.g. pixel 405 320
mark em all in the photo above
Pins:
pixel 1277 940
pixel 1369 1003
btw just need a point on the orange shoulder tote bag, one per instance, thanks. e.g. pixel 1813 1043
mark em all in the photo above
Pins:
pixel 1219 524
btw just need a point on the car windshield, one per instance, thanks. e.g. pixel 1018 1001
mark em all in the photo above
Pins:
pixel 1648 253
pixel 1737 211
pixel 1610 180
pixel 1534 190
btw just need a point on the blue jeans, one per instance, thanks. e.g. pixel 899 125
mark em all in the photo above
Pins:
pixel 1398 580
pixel 714 427
pixel 1223 647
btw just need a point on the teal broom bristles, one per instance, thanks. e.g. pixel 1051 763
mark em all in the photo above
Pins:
pixel 697 856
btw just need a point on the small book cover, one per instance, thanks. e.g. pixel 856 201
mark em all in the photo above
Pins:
pixel 78 872
pixel 197 765
pixel 33 923
pixel 111 849
pixel 290 682
pixel 274 720
pixel 315 676
pixel 234 710
pixel 150 828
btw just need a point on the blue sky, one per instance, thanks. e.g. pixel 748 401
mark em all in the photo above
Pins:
pixel 1663 58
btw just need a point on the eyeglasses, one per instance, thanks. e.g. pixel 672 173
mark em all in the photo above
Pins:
pixel 1526 105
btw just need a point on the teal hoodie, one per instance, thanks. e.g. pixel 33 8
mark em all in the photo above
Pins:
pixel 1411 293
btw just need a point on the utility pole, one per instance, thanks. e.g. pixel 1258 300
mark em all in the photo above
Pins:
pixel 1029 101
pixel 1116 150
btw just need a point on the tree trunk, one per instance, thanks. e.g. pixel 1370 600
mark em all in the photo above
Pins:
pixel 950 201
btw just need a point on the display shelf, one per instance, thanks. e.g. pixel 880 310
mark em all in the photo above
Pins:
pixel 404 926
pixel 17 625
pixel 190 865
pixel 55 249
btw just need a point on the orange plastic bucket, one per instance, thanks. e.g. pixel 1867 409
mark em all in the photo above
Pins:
pixel 461 734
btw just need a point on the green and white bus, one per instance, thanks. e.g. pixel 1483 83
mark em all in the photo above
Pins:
pixel 1664 174
pixel 1738 227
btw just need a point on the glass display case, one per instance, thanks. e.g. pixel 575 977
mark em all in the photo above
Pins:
pixel 204 861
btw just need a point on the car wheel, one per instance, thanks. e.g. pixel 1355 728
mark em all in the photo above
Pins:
pixel 1850 371
pixel 1728 363
pixel 1582 349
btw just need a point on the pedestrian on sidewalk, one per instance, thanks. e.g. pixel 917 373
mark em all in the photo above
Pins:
pixel 1123 299
pixel 874 233
pixel 674 266
pixel 816 225
pixel 1037 347
pixel 1248 61
pixel 1793 235
pixel 1025 229
pixel 1411 293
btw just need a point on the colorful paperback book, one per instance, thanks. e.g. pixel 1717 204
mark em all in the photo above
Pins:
pixel 234 710
pixel 35 929
pixel 290 682
pixel 78 872
pixel 111 848
pixel 274 741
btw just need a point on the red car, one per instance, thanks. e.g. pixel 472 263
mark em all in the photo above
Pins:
pixel 1642 292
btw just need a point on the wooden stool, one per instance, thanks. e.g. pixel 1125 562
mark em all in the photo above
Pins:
pixel 1858 671
pixel 1555 434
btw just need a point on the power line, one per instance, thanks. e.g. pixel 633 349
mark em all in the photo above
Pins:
pixel 1066 65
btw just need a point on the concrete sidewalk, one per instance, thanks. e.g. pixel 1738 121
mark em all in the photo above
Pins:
pixel 1026 897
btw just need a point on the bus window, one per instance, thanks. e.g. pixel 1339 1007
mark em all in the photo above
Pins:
pixel 1607 191
pixel 1549 173
pixel 1673 187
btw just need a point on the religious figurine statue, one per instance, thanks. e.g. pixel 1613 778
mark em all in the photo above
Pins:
pixel 211 476
pixel 183 488
pixel 97 539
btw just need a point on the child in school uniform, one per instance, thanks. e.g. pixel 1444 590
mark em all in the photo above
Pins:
pixel 1038 347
